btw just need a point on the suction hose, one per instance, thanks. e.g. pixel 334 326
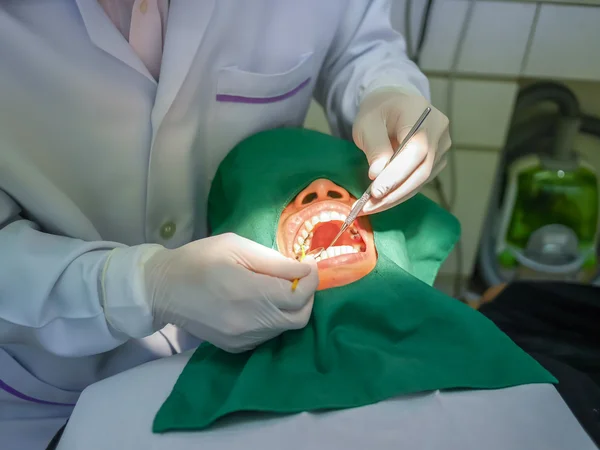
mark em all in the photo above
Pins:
pixel 537 93
pixel 562 126
pixel 590 125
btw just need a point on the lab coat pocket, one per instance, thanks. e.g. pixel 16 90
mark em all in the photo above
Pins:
pixel 253 88
pixel 248 102
pixel 24 396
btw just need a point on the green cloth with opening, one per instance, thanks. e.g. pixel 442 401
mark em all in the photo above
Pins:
pixel 387 334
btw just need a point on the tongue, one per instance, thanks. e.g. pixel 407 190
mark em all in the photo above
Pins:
pixel 324 233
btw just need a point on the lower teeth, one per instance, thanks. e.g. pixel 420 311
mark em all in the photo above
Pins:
pixel 355 248
pixel 339 251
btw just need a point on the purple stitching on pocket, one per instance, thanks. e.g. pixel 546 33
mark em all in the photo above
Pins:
pixel 22 396
pixel 261 100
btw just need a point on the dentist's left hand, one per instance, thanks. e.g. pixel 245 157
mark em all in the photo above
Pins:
pixel 224 289
pixel 385 117
pixel 230 291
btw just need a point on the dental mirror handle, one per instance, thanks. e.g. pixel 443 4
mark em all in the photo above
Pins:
pixel 360 204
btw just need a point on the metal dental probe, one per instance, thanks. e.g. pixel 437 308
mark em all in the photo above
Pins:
pixel 360 204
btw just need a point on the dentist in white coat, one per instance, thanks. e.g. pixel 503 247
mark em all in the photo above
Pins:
pixel 114 116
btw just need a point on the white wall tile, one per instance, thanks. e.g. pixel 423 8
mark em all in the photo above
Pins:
pixel 496 38
pixel 481 109
pixel 447 18
pixel 566 43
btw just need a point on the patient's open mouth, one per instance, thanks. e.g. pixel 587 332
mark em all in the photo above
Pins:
pixel 315 227
pixel 320 230
pixel 311 221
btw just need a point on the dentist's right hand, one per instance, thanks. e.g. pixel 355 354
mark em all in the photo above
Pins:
pixel 229 291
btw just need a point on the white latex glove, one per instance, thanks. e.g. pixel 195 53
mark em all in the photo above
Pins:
pixel 230 291
pixel 385 117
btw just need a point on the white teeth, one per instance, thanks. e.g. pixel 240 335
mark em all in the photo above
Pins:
pixel 305 234
pixel 325 216
pixel 337 251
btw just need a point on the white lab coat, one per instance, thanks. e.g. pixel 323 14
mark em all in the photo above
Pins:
pixel 95 154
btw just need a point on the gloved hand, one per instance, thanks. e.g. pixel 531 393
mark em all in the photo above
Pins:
pixel 385 117
pixel 230 291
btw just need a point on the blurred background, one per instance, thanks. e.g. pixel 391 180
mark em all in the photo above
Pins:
pixel 520 82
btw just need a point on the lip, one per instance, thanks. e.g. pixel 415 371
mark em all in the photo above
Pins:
pixel 296 221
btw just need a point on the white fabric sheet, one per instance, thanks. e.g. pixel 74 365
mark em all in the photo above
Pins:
pixel 117 413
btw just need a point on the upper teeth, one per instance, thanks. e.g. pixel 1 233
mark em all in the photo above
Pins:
pixel 325 216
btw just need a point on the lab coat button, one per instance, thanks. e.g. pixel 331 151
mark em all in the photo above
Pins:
pixel 167 230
